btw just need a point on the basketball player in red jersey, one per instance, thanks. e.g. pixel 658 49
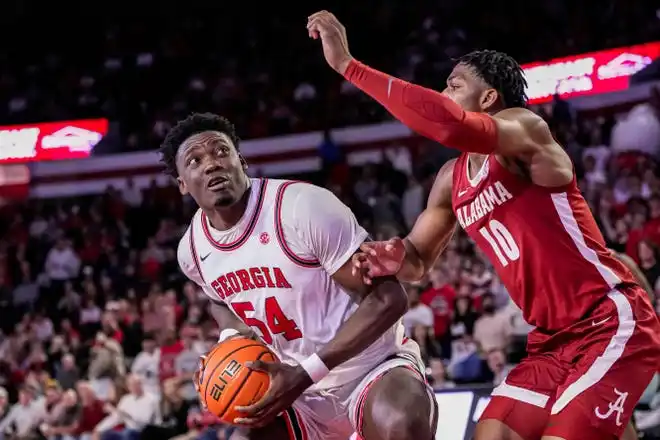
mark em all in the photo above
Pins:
pixel 596 344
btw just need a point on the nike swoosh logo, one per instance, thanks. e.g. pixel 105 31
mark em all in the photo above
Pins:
pixel 595 323
pixel 461 193
pixel 205 256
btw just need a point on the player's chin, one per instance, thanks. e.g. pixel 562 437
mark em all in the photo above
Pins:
pixel 224 199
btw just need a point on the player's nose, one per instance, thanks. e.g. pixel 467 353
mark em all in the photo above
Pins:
pixel 211 166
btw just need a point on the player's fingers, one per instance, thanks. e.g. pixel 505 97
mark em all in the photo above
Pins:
pixel 252 410
pixel 317 14
pixel 314 30
pixel 366 247
pixel 266 367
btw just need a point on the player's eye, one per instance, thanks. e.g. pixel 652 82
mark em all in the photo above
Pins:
pixel 192 161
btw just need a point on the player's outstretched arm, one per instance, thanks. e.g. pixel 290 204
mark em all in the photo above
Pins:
pixel 515 132
pixel 412 257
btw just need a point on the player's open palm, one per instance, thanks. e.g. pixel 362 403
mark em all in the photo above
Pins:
pixel 325 25
pixel 379 258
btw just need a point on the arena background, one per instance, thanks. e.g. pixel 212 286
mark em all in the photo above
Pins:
pixel 89 286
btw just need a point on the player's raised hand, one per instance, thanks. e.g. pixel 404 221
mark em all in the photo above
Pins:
pixel 379 258
pixel 325 25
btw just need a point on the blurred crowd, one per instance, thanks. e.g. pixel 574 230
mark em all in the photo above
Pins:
pixel 265 74
pixel 100 332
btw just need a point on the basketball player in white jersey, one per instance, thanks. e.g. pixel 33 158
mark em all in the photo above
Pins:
pixel 276 256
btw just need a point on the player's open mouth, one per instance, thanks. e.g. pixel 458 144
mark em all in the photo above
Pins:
pixel 217 183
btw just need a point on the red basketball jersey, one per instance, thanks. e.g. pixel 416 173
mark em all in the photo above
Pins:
pixel 543 243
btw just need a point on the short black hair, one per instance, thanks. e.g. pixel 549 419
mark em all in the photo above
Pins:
pixel 501 72
pixel 193 124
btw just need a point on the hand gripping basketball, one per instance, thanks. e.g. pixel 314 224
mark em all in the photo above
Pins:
pixel 379 259
pixel 196 378
pixel 287 383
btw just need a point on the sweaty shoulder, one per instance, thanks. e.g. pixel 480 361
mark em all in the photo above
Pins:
pixel 440 195
pixel 319 225
pixel 526 136
pixel 534 126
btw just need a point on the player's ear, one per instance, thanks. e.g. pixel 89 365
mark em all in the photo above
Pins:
pixel 183 189
pixel 244 163
pixel 488 99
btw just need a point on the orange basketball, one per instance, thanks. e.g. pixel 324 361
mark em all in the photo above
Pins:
pixel 226 382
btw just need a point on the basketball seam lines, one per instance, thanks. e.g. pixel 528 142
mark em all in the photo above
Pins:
pixel 247 376
pixel 206 387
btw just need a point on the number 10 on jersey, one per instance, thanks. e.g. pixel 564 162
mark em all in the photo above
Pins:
pixel 500 239
pixel 276 321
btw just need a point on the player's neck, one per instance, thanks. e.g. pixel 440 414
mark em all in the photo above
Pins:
pixel 226 217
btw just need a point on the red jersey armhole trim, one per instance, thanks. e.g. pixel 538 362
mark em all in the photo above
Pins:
pixel 240 241
pixel 193 251
pixel 279 230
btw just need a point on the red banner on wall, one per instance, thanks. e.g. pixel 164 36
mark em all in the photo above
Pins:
pixel 587 74
pixel 50 140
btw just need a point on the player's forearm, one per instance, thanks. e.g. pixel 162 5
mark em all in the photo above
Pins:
pixel 227 320
pixel 413 268
pixel 426 111
pixel 378 311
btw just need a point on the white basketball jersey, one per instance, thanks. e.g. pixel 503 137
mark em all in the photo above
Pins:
pixel 274 271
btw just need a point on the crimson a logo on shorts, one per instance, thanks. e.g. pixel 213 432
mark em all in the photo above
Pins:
pixel 264 238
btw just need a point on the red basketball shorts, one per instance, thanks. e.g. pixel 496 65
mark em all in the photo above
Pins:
pixel 583 382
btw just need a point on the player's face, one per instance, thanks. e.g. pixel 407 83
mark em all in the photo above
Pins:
pixel 211 170
pixel 469 90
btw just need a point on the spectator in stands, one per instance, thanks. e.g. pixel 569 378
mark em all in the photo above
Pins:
pixel 412 202
pixel 463 318
pixel 187 362
pixel 496 359
pixel 132 195
pixel 438 374
pixel 91 412
pixel 418 320
pixel 67 373
pixel 647 254
pixel 24 416
pixel 106 365
pixel 62 419
pixel 493 328
pixel 135 411
pixel 440 297
pixel 62 264
pixel 175 410
pixel 147 363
